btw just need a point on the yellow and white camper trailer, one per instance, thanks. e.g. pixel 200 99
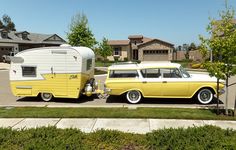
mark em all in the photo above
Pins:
pixel 62 72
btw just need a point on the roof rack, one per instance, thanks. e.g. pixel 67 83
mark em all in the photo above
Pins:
pixel 125 63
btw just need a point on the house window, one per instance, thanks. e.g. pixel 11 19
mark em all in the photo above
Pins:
pixel 117 51
pixel 155 52
pixel 4 35
pixel 28 71
pixel 24 36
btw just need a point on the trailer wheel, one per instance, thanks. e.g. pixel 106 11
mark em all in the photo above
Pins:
pixel 46 97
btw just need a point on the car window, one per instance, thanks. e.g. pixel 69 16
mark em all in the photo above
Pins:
pixel 171 73
pixel 184 72
pixel 151 73
pixel 123 74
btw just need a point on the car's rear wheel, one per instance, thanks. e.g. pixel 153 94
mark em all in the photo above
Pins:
pixel 133 96
pixel 46 96
pixel 205 96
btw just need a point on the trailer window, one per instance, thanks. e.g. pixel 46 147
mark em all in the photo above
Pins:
pixel 89 64
pixel 123 74
pixel 28 71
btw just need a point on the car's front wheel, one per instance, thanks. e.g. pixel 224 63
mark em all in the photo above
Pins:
pixel 133 96
pixel 205 96
pixel 46 96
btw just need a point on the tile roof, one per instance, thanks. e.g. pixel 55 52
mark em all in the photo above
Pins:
pixel 33 38
pixel 118 42
pixel 156 40
pixel 135 37
pixel 144 39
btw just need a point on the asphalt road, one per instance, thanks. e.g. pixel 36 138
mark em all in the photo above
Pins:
pixel 7 99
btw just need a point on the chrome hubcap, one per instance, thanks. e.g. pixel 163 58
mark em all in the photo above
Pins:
pixel 47 95
pixel 205 96
pixel 133 95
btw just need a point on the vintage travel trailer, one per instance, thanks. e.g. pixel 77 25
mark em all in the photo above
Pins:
pixel 61 72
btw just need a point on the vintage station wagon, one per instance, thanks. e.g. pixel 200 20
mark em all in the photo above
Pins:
pixel 159 80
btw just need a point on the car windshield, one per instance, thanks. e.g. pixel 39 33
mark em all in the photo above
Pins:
pixel 184 72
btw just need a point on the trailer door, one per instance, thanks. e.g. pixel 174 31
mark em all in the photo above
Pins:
pixel 59 73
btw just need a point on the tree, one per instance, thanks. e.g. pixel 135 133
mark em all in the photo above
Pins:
pixel 80 34
pixel 192 46
pixel 223 47
pixel 104 49
pixel 1 24
pixel 7 24
pixel 186 48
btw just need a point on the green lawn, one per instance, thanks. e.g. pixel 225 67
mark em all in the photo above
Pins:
pixel 98 72
pixel 102 64
pixel 167 113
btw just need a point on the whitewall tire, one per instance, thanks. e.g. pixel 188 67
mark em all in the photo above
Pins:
pixel 46 97
pixel 133 96
pixel 205 96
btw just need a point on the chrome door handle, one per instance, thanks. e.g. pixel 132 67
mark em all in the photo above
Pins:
pixel 51 70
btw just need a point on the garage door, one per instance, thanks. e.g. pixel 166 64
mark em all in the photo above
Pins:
pixel 155 55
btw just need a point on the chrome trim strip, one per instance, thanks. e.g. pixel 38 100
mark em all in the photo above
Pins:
pixel 24 87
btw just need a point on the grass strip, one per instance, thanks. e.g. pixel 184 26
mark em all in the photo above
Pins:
pixel 162 113
pixel 98 72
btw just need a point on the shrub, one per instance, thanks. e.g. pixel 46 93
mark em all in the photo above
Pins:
pixel 196 66
pixel 207 137
pixel 125 59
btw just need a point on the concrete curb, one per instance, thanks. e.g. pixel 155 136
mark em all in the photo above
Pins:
pixel 112 106
pixel 140 126
pixel 4 66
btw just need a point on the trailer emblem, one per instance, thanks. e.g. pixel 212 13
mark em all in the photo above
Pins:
pixel 73 77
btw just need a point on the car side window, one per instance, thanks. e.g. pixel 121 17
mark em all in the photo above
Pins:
pixel 171 73
pixel 151 73
pixel 123 74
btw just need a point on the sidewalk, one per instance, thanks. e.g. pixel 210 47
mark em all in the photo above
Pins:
pixel 4 66
pixel 87 125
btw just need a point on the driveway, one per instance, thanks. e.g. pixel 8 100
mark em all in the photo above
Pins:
pixel 7 99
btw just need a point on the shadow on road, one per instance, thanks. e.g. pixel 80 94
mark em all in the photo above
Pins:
pixel 118 100
pixel 122 99
pixel 81 99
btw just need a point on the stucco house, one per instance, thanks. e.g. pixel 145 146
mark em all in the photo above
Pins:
pixel 18 41
pixel 138 47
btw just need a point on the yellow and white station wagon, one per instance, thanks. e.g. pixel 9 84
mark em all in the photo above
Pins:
pixel 159 80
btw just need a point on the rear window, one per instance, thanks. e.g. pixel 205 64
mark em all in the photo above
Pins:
pixel 123 74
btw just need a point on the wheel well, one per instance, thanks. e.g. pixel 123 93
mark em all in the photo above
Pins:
pixel 39 94
pixel 210 88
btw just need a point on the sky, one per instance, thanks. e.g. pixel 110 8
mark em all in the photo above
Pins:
pixel 174 21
